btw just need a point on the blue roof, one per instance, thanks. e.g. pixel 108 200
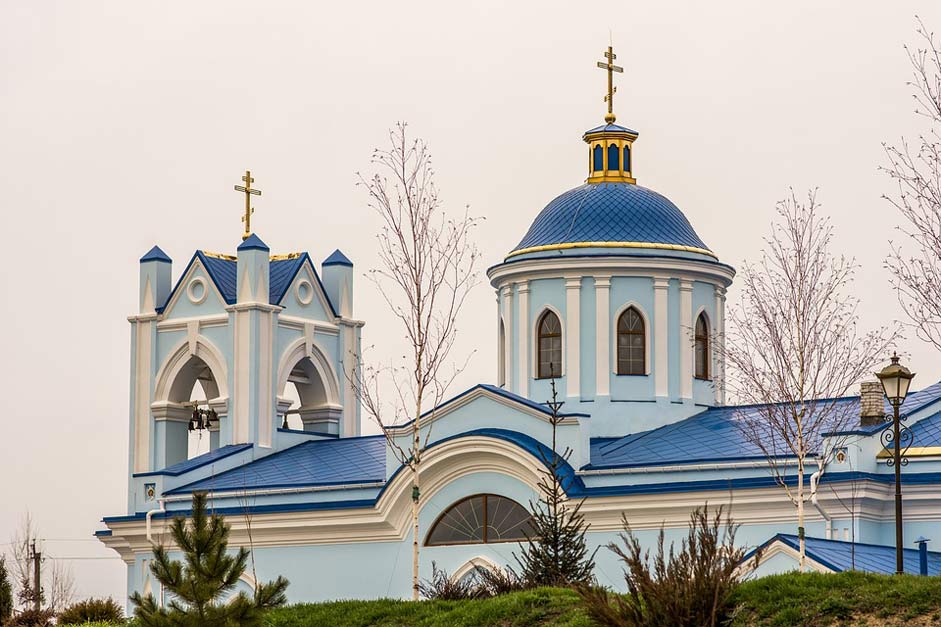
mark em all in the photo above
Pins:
pixel 253 243
pixel 337 258
pixel 311 463
pixel 611 128
pixel 224 274
pixel 841 556
pixel 156 254
pixel 715 435
pixel 611 212
pixel 196 462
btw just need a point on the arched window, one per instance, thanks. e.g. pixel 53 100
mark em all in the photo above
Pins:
pixel 702 347
pixel 480 519
pixel 549 347
pixel 632 343
pixel 613 161
pixel 627 158
pixel 597 155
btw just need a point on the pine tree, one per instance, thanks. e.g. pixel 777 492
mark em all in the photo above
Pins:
pixel 210 571
pixel 556 551
pixel 6 592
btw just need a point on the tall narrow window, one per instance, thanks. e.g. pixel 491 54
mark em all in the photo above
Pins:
pixel 627 158
pixel 702 347
pixel 613 162
pixel 549 346
pixel 597 157
pixel 632 343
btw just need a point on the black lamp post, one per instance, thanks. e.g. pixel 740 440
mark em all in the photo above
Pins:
pixel 895 380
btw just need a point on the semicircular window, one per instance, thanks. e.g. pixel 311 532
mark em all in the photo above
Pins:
pixel 480 519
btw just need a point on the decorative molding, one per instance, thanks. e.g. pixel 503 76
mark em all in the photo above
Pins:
pixel 506 308
pixel 304 292
pixel 196 290
pixel 639 266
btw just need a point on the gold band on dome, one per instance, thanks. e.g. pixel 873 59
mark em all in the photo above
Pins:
pixel 570 245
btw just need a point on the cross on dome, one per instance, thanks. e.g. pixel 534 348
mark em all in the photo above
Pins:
pixel 611 68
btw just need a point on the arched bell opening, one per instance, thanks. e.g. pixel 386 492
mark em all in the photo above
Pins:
pixel 304 402
pixel 187 423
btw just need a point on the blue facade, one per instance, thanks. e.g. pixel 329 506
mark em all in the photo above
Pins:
pixel 271 345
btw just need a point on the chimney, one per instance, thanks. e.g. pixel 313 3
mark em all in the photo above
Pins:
pixel 871 408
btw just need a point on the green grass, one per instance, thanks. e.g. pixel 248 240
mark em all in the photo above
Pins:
pixel 543 606
pixel 815 599
pixel 780 601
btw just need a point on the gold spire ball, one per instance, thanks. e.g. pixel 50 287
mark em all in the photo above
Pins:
pixel 249 192
pixel 611 68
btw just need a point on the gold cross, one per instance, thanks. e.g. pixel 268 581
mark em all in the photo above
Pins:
pixel 611 68
pixel 247 218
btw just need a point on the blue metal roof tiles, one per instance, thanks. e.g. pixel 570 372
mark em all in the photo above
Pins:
pixel 253 242
pixel 314 463
pixel 196 462
pixel 841 556
pixel 611 128
pixel 224 274
pixel 715 435
pixel 611 212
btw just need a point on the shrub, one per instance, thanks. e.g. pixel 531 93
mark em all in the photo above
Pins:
pixel 499 581
pixel 442 587
pixel 31 618
pixel 92 610
pixel 689 588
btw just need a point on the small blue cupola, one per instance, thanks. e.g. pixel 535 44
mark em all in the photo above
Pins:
pixel 253 270
pixel 337 273
pixel 155 279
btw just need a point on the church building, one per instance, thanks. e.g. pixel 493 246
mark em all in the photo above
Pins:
pixel 240 387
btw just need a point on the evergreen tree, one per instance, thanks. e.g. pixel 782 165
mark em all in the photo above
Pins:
pixel 6 592
pixel 210 571
pixel 556 551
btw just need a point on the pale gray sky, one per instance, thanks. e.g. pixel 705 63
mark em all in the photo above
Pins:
pixel 124 125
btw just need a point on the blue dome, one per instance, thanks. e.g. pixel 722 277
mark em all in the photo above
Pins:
pixel 611 215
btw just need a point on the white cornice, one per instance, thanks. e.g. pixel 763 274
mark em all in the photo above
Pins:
pixel 297 323
pixel 176 324
pixel 683 269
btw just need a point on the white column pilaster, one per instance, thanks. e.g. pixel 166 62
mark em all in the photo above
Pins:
pixel 572 328
pixel 719 351
pixel 661 295
pixel 602 336
pixel 506 306
pixel 686 339
pixel 522 345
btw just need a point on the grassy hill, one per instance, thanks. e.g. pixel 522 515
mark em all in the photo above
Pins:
pixel 779 601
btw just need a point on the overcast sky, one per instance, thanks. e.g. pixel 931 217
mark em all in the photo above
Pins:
pixel 124 125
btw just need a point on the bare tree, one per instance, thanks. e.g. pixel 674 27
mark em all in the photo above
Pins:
pixel 794 347
pixel 61 586
pixel 917 172
pixel 427 268
pixel 57 585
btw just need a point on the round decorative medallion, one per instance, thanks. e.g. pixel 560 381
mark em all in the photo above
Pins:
pixel 196 290
pixel 304 292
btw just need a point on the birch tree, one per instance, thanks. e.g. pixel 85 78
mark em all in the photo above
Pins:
pixel 427 267
pixel 794 347
pixel 915 267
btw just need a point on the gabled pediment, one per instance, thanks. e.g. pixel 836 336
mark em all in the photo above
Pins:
pixel 197 292
pixel 297 288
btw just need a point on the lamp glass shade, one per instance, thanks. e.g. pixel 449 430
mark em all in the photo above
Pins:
pixel 896 380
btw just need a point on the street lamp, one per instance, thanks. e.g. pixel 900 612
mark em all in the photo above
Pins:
pixel 896 380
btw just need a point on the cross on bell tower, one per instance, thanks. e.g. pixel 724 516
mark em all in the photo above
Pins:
pixel 249 192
